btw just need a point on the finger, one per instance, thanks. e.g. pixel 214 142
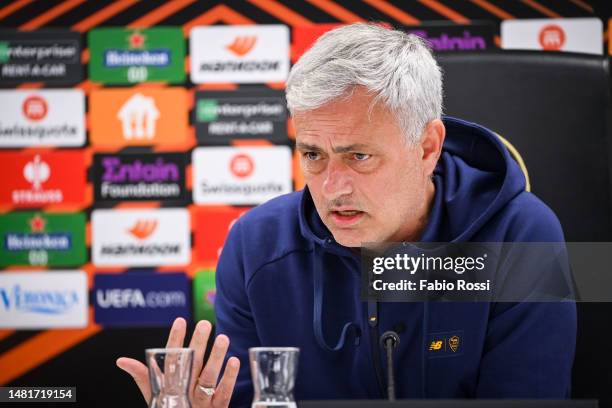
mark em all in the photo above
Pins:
pixel 177 333
pixel 223 393
pixel 198 344
pixel 139 373
pixel 211 372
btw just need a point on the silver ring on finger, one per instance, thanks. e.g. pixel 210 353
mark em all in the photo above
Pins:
pixel 209 391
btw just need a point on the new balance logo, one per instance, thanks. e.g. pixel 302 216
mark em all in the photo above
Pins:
pixel 143 228
pixel 242 45
pixel 436 345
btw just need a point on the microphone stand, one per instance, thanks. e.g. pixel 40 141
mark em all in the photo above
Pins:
pixel 389 340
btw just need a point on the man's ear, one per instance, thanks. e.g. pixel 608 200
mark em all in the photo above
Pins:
pixel 431 144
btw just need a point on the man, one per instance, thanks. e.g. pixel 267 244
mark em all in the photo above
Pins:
pixel 381 165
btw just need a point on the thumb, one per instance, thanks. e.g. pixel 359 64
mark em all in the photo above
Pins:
pixel 139 373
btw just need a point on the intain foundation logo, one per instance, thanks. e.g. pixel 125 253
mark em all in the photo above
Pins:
pixel 240 176
pixel 241 54
pixel 43 179
pixel 139 177
pixel 42 118
pixel 47 239
pixel 140 237
pixel 552 37
pixel 127 56
pixel 138 117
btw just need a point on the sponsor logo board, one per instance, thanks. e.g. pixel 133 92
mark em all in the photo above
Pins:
pixel 42 117
pixel 40 300
pixel 241 54
pixel 204 292
pixel 211 226
pixel 253 114
pixel 140 237
pixel 45 239
pixel 557 34
pixel 127 56
pixel 240 176
pixel 456 37
pixel 139 177
pixel 51 56
pixel 41 179
pixel 138 117
pixel 140 298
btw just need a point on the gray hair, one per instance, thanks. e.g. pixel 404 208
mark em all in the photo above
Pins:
pixel 396 67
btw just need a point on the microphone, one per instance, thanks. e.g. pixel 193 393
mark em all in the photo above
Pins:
pixel 389 340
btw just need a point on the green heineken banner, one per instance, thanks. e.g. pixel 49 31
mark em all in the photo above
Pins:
pixel 44 239
pixel 120 56
pixel 204 291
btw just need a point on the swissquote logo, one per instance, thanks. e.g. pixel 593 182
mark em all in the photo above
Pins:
pixel 47 299
pixel 240 176
pixel 35 108
pixel 242 54
pixel 133 116
pixel 141 237
pixel 552 37
pixel 555 34
pixel 42 118
pixel 43 178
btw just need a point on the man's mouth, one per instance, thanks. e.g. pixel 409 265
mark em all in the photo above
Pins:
pixel 346 218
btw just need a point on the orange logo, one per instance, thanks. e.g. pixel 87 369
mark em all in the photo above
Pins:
pixel 34 108
pixel 143 229
pixel 242 165
pixel 552 37
pixel 121 117
pixel 242 45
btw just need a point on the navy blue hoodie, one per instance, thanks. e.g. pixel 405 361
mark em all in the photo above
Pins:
pixel 283 281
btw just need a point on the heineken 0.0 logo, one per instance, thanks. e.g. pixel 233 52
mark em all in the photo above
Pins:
pixel 124 56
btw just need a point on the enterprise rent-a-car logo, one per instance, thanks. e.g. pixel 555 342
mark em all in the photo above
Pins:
pixel 240 54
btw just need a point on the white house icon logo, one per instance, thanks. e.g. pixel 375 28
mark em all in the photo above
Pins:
pixel 138 116
pixel 36 172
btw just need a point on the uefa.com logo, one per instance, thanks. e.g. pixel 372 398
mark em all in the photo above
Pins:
pixel 50 117
pixel 239 54
pixel 141 237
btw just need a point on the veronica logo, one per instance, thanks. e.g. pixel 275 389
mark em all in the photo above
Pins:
pixel 43 299
pixel 38 301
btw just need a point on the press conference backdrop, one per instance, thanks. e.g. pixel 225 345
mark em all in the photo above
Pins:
pixel 134 133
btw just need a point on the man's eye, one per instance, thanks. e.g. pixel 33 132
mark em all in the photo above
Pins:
pixel 361 156
pixel 312 156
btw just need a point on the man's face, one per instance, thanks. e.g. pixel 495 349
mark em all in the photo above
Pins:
pixel 367 183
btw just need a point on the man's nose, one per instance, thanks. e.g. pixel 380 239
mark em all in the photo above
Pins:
pixel 338 180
